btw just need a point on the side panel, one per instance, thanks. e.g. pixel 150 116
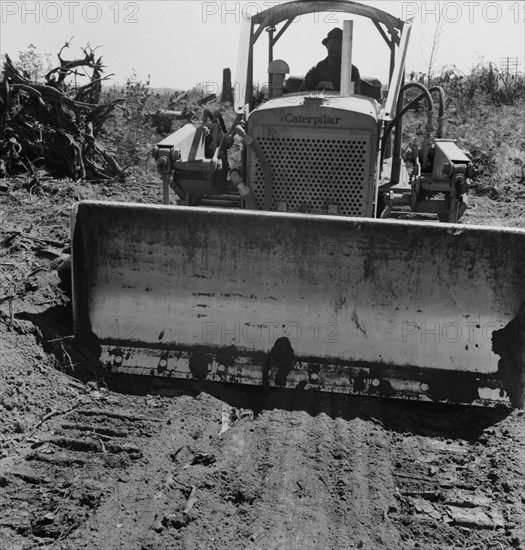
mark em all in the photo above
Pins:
pixel 408 309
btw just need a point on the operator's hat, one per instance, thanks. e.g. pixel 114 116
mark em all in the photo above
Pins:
pixel 336 33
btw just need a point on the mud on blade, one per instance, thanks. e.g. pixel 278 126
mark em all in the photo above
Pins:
pixel 387 308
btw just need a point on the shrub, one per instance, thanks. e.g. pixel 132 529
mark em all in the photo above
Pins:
pixel 485 84
pixel 129 130
pixel 483 113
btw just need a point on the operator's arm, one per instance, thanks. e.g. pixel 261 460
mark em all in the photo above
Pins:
pixel 310 80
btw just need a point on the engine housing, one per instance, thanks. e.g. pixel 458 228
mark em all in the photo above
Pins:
pixel 322 153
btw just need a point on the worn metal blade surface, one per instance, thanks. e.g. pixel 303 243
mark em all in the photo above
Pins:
pixel 382 307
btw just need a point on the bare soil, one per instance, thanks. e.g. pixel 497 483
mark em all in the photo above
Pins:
pixel 92 462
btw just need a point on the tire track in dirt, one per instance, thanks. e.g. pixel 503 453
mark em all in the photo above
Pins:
pixel 361 481
pixel 322 484
pixel 292 470
pixel 342 526
pixel 351 483
pixel 452 478
pixel 142 500
pixel 123 518
pixel 271 449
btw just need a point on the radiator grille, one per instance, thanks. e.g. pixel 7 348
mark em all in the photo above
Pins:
pixel 310 174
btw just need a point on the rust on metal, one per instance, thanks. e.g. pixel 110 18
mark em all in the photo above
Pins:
pixel 280 356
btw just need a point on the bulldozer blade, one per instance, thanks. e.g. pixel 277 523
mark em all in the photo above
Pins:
pixel 415 310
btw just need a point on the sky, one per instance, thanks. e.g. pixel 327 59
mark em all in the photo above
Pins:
pixel 179 43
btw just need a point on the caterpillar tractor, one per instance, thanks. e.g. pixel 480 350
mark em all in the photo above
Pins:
pixel 324 257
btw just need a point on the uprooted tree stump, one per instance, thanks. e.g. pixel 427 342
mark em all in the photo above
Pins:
pixel 53 126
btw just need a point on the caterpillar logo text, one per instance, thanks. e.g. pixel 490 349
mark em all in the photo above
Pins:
pixel 313 120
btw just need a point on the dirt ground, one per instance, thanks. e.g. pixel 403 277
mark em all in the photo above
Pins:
pixel 90 462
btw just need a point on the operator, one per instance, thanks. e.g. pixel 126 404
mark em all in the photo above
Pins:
pixel 329 69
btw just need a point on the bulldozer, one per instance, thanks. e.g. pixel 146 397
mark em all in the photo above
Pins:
pixel 325 258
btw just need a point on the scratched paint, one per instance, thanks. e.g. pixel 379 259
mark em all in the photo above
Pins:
pixel 281 368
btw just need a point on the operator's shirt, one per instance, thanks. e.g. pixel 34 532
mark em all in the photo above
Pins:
pixel 329 69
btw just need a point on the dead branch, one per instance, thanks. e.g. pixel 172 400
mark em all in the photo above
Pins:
pixel 51 415
pixel 52 126
pixel 102 445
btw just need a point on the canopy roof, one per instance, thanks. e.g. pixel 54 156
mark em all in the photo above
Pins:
pixel 290 10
